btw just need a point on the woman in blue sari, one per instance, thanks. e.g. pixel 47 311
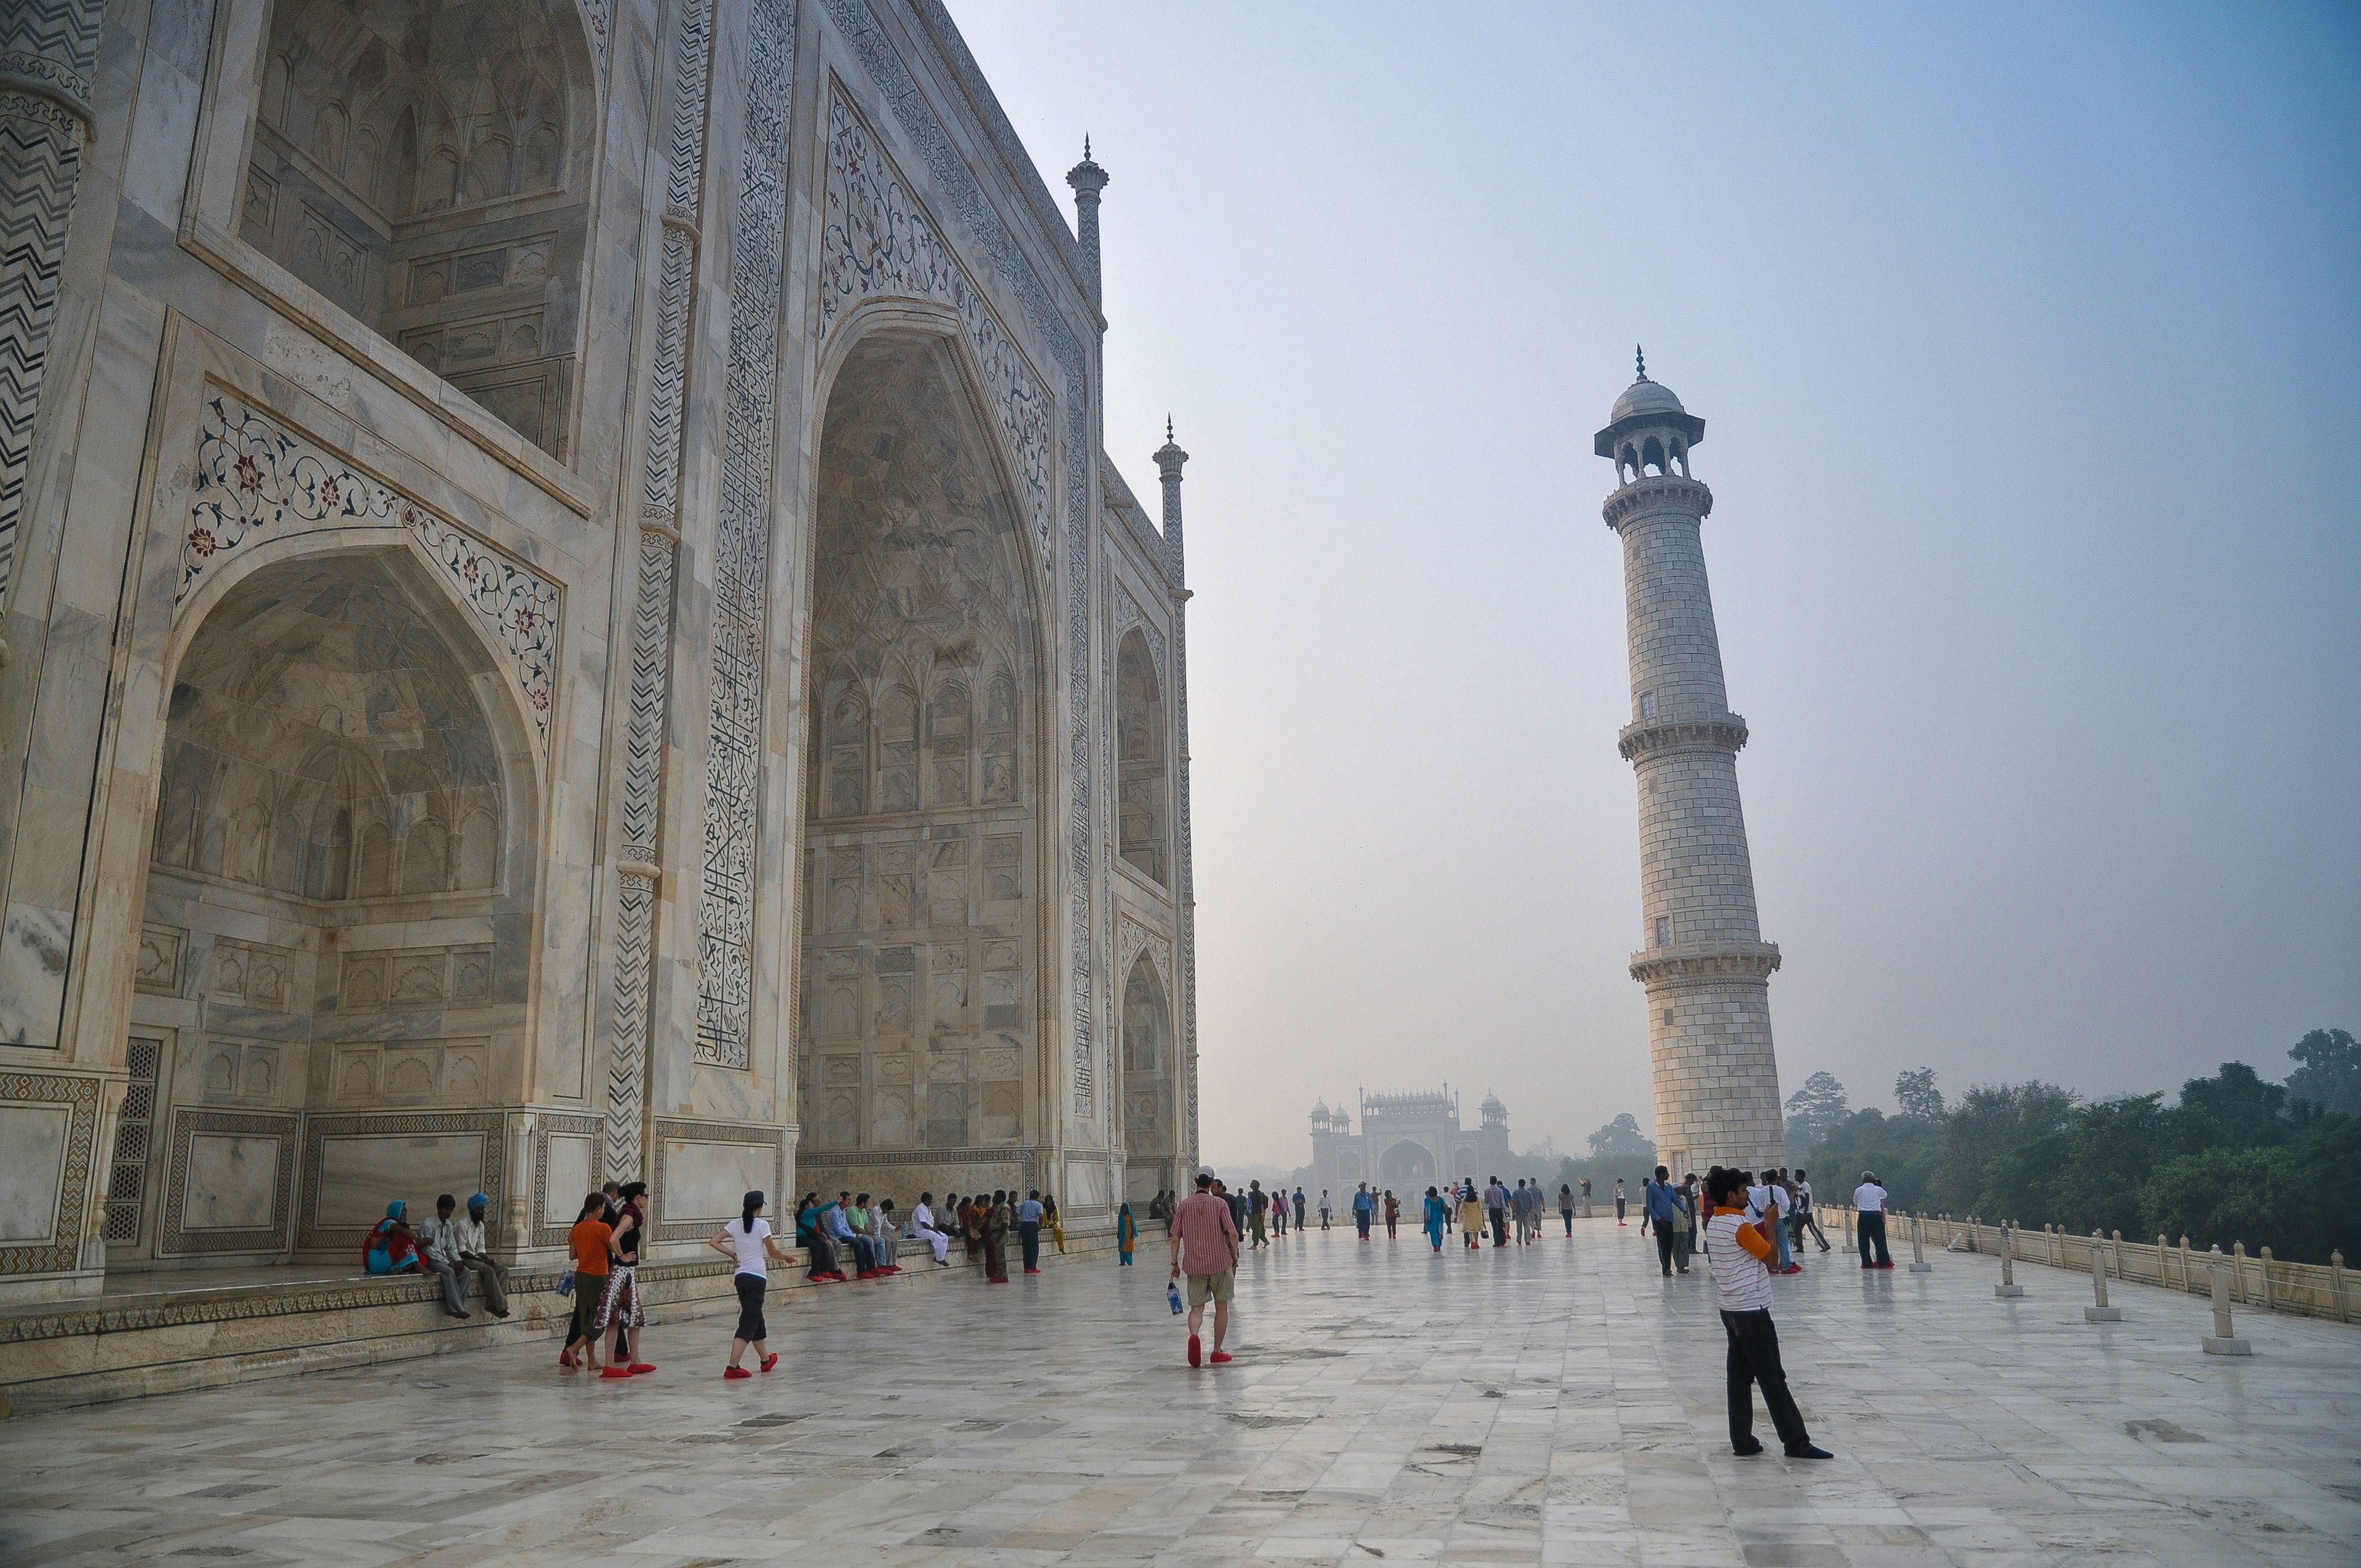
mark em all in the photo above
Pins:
pixel 1434 1212
pixel 1126 1234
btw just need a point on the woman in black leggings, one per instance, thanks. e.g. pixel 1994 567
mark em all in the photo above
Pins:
pixel 748 1240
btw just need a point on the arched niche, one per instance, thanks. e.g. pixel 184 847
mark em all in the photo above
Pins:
pixel 1405 1165
pixel 921 1012
pixel 342 851
pixel 1151 1120
pixel 1144 815
pixel 427 168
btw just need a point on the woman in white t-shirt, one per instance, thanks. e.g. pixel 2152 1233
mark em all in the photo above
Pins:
pixel 748 1240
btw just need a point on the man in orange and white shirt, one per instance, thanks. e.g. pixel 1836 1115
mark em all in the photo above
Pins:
pixel 1741 1255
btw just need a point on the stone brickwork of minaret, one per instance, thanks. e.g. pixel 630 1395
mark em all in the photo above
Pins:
pixel 1170 460
pixel 1702 956
pixel 1088 181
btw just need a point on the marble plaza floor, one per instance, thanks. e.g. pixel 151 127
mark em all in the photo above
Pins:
pixel 1557 1403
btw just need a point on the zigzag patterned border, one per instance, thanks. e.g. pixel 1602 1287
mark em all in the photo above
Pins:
pixel 40 167
pixel 652 616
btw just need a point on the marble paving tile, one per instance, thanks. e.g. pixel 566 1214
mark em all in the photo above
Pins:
pixel 1552 1404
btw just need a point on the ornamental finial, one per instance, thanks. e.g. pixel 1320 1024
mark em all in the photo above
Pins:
pixel 1642 355
pixel 1086 147
pixel 1167 427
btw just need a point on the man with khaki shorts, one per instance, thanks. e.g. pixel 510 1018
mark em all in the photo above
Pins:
pixel 1205 1247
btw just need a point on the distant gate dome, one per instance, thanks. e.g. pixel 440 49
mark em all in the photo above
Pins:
pixel 1320 1111
pixel 1645 397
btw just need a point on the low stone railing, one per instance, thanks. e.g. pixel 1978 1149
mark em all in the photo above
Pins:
pixel 2309 1289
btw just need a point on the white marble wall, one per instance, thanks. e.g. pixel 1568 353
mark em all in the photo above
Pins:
pixel 174 324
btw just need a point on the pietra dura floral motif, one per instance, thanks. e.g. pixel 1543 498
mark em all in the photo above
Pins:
pixel 256 479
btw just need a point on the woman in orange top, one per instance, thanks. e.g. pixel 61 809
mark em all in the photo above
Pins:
pixel 589 1242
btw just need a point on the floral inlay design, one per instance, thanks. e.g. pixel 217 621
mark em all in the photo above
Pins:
pixel 256 479
pixel 879 241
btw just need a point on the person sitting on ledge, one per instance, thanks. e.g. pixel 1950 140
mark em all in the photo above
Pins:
pixel 836 1222
pixel 924 1226
pixel 808 1233
pixel 474 1254
pixel 391 1246
pixel 885 1235
pixel 441 1236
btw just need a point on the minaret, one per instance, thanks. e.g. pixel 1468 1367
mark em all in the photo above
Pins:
pixel 1169 459
pixel 1087 180
pixel 1702 959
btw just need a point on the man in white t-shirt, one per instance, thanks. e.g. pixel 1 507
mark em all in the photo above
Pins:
pixel 1869 1198
pixel 1741 1283
pixel 1808 1217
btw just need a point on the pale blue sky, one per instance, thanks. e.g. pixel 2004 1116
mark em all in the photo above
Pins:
pixel 2028 342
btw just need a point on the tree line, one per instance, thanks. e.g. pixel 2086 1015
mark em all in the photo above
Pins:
pixel 2234 1159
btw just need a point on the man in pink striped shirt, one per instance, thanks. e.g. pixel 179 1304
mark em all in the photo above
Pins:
pixel 1205 1247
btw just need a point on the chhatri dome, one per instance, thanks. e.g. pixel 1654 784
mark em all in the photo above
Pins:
pixel 1645 397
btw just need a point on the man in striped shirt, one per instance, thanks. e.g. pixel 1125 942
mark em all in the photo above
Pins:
pixel 1741 1279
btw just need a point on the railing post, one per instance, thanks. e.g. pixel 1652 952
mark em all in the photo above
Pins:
pixel 2115 1255
pixel 2224 1339
pixel 2238 1272
pixel 2164 1275
pixel 2269 1304
pixel 1919 1264
pixel 2336 1287
pixel 2187 1280
pixel 2008 1285
pixel 2101 1312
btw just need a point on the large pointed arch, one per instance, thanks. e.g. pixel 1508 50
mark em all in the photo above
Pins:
pixel 927 877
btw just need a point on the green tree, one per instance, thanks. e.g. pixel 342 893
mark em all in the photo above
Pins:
pixel 1622 1139
pixel 1900 1149
pixel 1812 1111
pixel 2224 1195
pixel 2331 1073
pixel 1991 1119
pixel 2233 1110
pixel 1914 1094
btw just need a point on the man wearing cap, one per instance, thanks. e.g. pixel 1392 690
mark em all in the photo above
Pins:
pixel 474 1254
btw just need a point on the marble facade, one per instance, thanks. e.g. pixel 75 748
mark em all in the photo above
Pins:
pixel 566 613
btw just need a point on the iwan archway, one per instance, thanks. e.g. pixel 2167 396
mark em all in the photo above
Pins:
pixel 920 1055
pixel 339 918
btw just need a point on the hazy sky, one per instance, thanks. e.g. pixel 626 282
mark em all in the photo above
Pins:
pixel 2029 343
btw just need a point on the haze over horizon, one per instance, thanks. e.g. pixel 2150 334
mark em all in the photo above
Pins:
pixel 2027 377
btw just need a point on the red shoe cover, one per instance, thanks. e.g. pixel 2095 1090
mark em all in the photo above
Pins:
pixel 614 1371
pixel 1219 1356
pixel 735 1372
pixel 770 1361
pixel 1196 1352
pixel 639 1366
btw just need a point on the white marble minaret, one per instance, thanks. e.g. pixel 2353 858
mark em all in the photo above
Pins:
pixel 1702 959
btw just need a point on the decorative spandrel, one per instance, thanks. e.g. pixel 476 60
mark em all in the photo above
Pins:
pixel 879 242
pixel 257 479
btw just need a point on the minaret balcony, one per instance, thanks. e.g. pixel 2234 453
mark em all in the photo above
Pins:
pixel 1717 732
pixel 1727 960
pixel 1658 492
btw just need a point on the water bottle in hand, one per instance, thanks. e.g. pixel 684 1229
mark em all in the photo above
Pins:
pixel 1172 1295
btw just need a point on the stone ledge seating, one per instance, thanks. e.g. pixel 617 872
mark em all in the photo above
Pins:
pixel 167 1332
